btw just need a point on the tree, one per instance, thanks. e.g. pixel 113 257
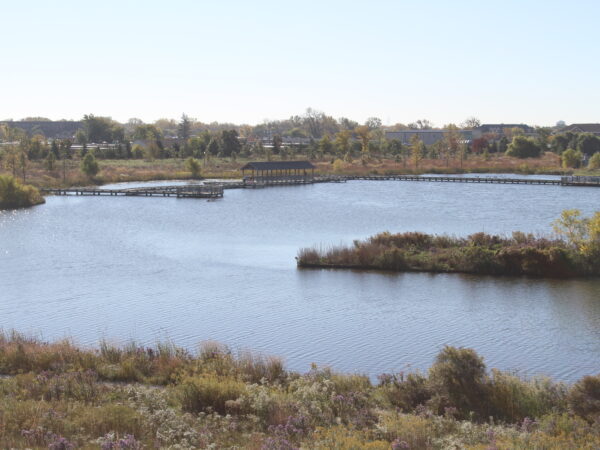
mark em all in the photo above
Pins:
pixel 342 141
pixel 394 146
pixel 50 161
pixel 479 145
pixel 416 150
pixel 364 134
pixel 81 137
pixel 193 166
pixel 594 161
pixel 102 129
pixel 11 159
pixel 277 143
pixel 144 132
pixel 471 122
pixel 184 129
pixel 560 142
pixel 325 145
pixel 421 124
pixel 583 233
pixel 543 137
pixel 230 142
pixel 213 147
pixel 23 161
pixel 502 145
pixel 64 147
pixel 523 147
pixel 571 158
pixel 452 138
pixel 89 165
pixel 347 124
pixel 373 123
pixel 588 143
pixel 314 121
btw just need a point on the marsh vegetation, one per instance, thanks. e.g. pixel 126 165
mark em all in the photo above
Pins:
pixel 58 395
pixel 575 251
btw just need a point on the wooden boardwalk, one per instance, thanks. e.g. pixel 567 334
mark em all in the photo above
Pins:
pixel 447 179
pixel 184 191
pixel 212 190
pixel 563 181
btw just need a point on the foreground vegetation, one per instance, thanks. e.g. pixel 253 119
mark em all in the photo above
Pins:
pixel 575 252
pixel 59 396
pixel 16 195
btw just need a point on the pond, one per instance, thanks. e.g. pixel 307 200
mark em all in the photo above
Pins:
pixel 187 270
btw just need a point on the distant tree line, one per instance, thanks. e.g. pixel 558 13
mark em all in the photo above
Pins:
pixel 315 135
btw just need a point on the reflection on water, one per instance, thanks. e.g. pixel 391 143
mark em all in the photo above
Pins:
pixel 191 270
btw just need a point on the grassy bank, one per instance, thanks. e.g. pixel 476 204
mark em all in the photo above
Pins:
pixel 119 170
pixel 13 194
pixel 480 253
pixel 60 396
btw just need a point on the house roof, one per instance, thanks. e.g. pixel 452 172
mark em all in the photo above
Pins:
pixel 278 165
pixel 583 127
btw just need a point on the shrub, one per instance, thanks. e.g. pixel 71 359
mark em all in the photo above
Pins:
pixel 405 391
pixel 16 195
pixel 458 375
pixel 571 158
pixel 584 398
pixel 338 166
pixel 193 165
pixel 208 392
pixel 523 147
pixel 89 165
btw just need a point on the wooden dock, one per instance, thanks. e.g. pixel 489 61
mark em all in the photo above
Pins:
pixel 183 191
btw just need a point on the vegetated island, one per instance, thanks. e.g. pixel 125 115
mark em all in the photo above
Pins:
pixel 574 253
pixel 59 396
pixel 14 194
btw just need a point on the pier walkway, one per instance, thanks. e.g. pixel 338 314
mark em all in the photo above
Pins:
pixel 184 191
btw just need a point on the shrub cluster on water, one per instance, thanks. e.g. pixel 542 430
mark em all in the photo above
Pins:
pixel 62 396
pixel 480 253
pixel 13 194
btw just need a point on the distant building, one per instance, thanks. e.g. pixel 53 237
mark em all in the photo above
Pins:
pixel 428 137
pixel 593 128
pixel 499 129
pixel 63 129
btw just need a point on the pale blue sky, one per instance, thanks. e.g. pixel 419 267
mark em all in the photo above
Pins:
pixel 506 61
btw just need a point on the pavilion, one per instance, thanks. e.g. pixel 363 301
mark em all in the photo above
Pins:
pixel 278 172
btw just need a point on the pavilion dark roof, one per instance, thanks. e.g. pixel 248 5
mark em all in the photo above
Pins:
pixel 278 165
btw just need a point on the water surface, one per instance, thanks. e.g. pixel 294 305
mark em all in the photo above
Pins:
pixel 192 270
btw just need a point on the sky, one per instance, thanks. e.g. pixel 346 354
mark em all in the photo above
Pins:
pixel 509 61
